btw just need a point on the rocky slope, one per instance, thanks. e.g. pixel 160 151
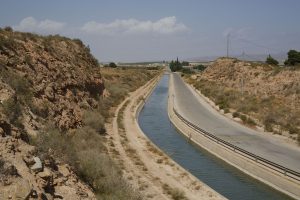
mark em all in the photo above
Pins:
pixel 42 80
pixel 262 94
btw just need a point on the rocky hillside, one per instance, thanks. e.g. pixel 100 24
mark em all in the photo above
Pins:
pixel 42 80
pixel 262 94
pixel 53 110
pixel 255 78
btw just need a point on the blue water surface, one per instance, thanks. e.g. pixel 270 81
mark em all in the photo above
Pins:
pixel 225 179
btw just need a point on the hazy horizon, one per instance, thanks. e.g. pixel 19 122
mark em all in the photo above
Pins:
pixel 135 30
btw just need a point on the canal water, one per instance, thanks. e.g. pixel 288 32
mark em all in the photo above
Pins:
pixel 226 180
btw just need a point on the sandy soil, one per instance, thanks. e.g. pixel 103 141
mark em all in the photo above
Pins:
pixel 148 169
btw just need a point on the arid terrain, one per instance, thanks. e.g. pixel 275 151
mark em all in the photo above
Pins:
pixel 55 101
pixel 259 94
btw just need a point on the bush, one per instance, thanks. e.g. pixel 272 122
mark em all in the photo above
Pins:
pixel 293 58
pixel 293 129
pixel 112 65
pixel 187 71
pixel 8 28
pixel 8 42
pixel 236 114
pixel 271 61
pixel 1 166
pixel 200 67
pixel 20 84
pixel 243 118
pixel 41 110
pixel 268 121
pixel 94 120
pixel 85 152
pixel 13 110
pixel 177 194
pixel 250 121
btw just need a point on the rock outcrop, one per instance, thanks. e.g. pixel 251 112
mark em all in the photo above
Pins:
pixel 42 79
pixel 25 176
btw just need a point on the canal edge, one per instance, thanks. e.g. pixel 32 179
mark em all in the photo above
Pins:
pixel 256 170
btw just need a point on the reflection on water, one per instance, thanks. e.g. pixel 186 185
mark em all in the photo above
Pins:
pixel 226 180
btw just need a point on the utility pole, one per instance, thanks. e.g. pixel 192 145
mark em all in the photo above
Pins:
pixel 228 37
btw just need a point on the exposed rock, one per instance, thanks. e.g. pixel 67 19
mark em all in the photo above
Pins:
pixel 37 167
pixel 45 174
pixel 28 159
pixel 49 78
pixel 64 170
pixel 18 189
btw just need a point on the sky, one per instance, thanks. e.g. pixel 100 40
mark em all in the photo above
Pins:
pixel 155 30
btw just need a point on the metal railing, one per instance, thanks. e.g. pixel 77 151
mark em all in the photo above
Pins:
pixel 279 168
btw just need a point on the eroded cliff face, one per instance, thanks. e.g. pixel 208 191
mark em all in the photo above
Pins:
pixel 42 79
pixel 55 75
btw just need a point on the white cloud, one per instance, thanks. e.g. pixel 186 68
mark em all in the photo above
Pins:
pixel 44 26
pixel 167 25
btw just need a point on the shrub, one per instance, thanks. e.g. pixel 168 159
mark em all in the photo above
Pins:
pixel 8 28
pixel 243 118
pixel 177 194
pixel 293 129
pixel 20 84
pixel 200 67
pixel 13 110
pixel 8 42
pixel 112 65
pixel 236 114
pixel 94 120
pixel 187 71
pixel 85 152
pixel 41 110
pixel 251 121
pixel 52 139
pixel 293 58
pixel 271 61
pixel 226 110
pixel 1 166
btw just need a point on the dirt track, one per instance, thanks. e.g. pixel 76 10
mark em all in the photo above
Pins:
pixel 147 168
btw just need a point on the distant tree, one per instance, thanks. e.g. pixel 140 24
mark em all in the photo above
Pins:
pixel 271 61
pixel 175 65
pixel 185 63
pixel 112 65
pixel 200 67
pixel 8 28
pixel 293 58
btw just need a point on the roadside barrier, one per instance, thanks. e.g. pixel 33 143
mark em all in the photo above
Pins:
pixel 274 166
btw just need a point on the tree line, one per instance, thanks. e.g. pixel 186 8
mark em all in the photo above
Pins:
pixel 292 60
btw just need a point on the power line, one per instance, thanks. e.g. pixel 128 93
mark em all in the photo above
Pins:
pixel 228 37
pixel 256 44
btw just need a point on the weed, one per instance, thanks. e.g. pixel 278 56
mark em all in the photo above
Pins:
pixel 236 114
pixel 94 120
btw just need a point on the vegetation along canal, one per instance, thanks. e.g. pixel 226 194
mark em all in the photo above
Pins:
pixel 228 181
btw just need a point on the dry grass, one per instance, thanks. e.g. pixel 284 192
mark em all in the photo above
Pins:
pixel 268 111
pixel 175 193
pixel 85 150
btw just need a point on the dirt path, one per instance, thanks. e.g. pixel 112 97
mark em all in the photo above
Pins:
pixel 147 168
